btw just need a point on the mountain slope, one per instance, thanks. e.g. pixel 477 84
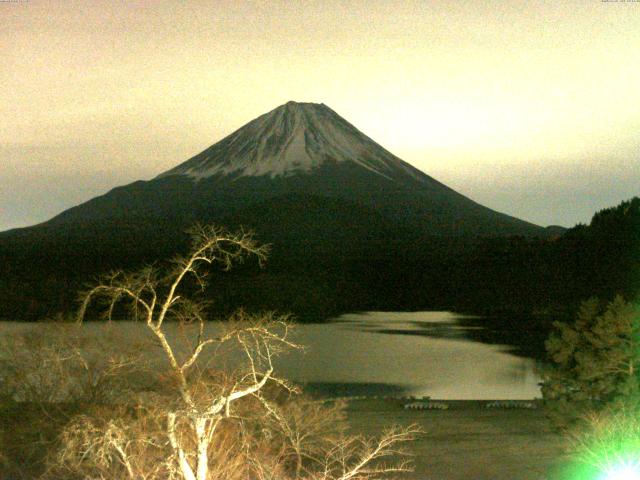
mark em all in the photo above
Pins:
pixel 302 149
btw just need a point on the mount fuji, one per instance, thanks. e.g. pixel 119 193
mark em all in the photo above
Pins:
pixel 337 207
pixel 299 155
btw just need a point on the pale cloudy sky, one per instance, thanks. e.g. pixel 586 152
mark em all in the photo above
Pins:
pixel 530 107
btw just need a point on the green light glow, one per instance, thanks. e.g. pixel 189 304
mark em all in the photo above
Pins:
pixel 623 471
pixel 608 445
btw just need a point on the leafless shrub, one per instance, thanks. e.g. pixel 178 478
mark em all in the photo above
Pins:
pixel 58 362
pixel 307 430
pixel 607 439
pixel 360 458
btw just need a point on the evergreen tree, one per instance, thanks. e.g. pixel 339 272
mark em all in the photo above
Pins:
pixel 594 361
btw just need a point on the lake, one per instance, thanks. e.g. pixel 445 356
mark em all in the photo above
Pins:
pixel 408 353
pixel 395 354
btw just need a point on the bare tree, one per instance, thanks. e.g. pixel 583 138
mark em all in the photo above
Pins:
pixel 206 405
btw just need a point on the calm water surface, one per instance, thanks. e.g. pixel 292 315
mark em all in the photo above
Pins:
pixel 393 353
pixel 408 353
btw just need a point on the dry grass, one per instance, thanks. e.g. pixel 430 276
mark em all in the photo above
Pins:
pixel 469 441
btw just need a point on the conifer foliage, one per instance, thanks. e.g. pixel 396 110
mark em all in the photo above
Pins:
pixel 594 361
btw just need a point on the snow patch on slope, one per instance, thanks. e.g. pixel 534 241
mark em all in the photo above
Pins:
pixel 293 138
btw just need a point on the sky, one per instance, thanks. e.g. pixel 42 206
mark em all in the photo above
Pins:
pixel 531 108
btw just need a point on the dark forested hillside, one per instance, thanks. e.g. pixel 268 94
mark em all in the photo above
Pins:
pixel 600 259
pixel 317 271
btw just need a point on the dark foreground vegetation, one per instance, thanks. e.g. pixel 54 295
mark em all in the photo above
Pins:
pixel 174 406
pixel 318 272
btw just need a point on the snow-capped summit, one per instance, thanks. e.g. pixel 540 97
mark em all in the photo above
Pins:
pixel 291 139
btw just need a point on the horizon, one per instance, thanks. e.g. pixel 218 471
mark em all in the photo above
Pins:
pixel 524 107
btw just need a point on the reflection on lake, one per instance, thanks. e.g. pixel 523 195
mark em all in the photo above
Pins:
pixel 388 353
pixel 409 353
